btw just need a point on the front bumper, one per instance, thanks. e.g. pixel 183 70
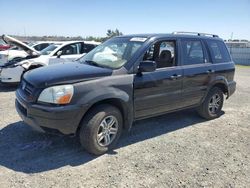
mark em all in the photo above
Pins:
pixel 11 75
pixel 51 119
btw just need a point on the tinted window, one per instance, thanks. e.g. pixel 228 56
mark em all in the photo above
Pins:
pixel 163 53
pixel 218 51
pixel 71 49
pixel 192 52
pixel 87 47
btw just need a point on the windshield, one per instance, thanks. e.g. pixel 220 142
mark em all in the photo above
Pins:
pixel 49 49
pixel 2 42
pixel 31 44
pixel 114 53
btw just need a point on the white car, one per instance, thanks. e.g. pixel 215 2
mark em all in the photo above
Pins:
pixel 16 52
pixel 55 53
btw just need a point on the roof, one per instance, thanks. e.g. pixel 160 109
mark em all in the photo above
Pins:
pixel 179 35
pixel 71 42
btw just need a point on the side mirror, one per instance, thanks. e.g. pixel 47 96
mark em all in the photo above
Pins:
pixel 147 66
pixel 58 54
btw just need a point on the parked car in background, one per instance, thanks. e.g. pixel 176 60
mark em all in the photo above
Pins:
pixel 16 52
pixel 58 52
pixel 3 45
pixel 127 78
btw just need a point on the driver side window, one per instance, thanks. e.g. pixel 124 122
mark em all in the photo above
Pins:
pixel 163 53
pixel 71 49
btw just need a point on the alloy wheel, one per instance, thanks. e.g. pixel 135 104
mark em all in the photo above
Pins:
pixel 107 131
pixel 214 103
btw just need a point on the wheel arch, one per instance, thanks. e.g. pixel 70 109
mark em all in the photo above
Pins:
pixel 119 103
pixel 221 83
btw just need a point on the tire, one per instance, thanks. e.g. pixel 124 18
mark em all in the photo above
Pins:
pixel 94 124
pixel 212 105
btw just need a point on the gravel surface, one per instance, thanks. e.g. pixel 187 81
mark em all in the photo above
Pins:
pixel 175 150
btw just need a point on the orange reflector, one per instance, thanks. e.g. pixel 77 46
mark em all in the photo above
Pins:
pixel 64 99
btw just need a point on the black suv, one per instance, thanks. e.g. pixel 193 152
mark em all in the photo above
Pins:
pixel 125 79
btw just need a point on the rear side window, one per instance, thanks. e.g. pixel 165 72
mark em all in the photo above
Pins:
pixel 192 52
pixel 87 48
pixel 218 51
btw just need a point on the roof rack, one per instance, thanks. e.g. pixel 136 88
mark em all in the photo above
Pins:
pixel 195 33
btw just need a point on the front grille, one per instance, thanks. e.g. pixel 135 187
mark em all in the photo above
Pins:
pixel 27 87
pixel 28 90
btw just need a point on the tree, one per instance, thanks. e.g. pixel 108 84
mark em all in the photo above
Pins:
pixel 111 33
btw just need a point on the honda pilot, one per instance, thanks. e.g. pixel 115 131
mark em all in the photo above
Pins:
pixel 127 78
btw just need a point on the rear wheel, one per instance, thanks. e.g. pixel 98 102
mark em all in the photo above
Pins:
pixel 212 105
pixel 101 129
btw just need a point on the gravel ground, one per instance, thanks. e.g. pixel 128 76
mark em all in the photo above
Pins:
pixel 175 150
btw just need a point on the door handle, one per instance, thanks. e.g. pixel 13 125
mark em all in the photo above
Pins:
pixel 175 76
pixel 210 71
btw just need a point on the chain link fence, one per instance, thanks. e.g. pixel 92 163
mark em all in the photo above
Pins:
pixel 240 53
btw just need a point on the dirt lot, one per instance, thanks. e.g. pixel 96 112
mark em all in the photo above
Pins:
pixel 175 150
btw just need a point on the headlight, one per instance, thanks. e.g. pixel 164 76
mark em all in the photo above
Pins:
pixel 57 94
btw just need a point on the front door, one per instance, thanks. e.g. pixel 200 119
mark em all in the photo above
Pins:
pixel 69 53
pixel 159 91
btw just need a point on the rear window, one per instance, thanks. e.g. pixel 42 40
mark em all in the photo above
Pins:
pixel 218 51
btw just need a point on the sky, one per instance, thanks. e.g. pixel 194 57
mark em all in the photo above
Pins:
pixel 227 18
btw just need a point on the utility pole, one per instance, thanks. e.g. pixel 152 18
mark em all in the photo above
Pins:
pixel 232 34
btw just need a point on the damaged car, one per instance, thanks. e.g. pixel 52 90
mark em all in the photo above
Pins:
pixel 57 52
pixel 15 52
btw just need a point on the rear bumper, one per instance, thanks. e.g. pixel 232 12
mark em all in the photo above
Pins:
pixel 231 88
pixel 56 119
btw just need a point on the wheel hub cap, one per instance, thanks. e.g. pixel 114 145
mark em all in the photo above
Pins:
pixel 214 104
pixel 107 131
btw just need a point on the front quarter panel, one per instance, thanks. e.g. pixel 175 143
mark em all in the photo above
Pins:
pixel 119 87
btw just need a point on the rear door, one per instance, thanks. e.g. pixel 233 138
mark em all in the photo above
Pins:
pixel 159 91
pixel 197 70
pixel 223 64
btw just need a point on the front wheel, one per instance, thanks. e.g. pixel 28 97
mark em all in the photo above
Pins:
pixel 101 129
pixel 212 105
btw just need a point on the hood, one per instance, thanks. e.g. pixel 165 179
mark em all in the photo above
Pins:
pixel 64 73
pixel 15 42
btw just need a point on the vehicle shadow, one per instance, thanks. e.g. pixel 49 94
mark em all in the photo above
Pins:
pixel 24 150
pixel 7 88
